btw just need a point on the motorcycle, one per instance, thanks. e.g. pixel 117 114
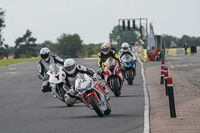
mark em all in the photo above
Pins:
pixel 92 94
pixel 57 79
pixel 129 64
pixel 113 76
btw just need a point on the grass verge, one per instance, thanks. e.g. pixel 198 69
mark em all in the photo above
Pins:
pixel 7 62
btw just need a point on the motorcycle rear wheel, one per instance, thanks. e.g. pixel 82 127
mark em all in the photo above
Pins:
pixel 95 106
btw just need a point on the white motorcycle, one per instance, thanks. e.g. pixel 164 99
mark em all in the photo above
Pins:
pixel 57 79
pixel 92 94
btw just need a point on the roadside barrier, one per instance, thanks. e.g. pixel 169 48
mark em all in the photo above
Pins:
pixel 177 51
pixel 168 88
pixel 162 72
pixel 171 97
pixel 165 77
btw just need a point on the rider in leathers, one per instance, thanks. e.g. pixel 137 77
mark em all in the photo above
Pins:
pixel 105 53
pixel 72 69
pixel 43 66
pixel 126 50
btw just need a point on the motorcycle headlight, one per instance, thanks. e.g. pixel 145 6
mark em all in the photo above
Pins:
pixel 79 88
pixel 89 85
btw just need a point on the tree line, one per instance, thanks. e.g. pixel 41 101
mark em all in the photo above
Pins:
pixel 71 45
pixel 174 42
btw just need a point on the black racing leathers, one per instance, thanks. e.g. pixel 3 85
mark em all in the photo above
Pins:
pixel 102 57
pixel 43 66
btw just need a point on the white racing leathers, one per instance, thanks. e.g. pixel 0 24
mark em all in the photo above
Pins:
pixel 43 67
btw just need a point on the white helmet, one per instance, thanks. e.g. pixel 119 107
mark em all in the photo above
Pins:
pixel 44 53
pixel 70 66
pixel 105 48
pixel 125 46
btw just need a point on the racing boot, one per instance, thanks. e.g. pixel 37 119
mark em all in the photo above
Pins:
pixel 103 84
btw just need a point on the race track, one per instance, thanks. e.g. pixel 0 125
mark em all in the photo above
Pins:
pixel 25 109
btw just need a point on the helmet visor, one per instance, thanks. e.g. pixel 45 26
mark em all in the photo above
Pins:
pixel 105 49
pixel 125 48
pixel 44 56
pixel 70 68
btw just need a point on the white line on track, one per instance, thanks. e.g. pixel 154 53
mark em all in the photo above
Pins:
pixel 12 68
pixel 146 100
pixel 172 67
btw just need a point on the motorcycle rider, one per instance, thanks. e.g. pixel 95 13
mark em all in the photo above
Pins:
pixel 43 66
pixel 72 69
pixel 105 53
pixel 126 50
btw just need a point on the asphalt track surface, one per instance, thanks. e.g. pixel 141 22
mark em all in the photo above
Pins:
pixel 25 109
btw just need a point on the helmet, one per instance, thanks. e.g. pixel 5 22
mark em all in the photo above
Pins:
pixel 105 48
pixel 44 53
pixel 70 66
pixel 125 46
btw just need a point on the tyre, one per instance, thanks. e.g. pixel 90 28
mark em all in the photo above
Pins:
pixel 95 106
pixel 70 105
pixel 115 87
pixel 108 110
pixel 130 77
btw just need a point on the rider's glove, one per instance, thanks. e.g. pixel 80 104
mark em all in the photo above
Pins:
pixel 100 71
pixel 45 78
pixel 72 92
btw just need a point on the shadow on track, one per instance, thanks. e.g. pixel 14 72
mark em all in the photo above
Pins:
pixel 127 96
pixel 64 106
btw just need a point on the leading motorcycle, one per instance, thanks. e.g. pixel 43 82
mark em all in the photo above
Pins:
pixel 92 94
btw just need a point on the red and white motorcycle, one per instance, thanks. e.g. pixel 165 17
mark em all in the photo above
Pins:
pixel 92 94
pixel 113 76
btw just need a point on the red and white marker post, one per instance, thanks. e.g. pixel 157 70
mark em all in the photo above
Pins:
pixel 165 77
pixel 162 72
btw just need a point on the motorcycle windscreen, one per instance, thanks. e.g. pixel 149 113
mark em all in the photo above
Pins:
pixel 110 62
pixel 126 58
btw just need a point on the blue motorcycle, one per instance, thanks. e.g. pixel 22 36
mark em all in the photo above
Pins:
pixel 129 65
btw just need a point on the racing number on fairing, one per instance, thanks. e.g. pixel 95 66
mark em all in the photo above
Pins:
pixel 83 80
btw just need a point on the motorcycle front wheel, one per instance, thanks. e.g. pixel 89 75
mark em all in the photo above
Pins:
pixel 130 77
pixel 115 86
pixel 95 106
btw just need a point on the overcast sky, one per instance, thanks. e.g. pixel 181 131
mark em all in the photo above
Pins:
pixel 93 20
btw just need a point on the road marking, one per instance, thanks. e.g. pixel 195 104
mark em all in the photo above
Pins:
pixel 11 72
pixel 172 67
pixel 12 68
pixel 146 101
